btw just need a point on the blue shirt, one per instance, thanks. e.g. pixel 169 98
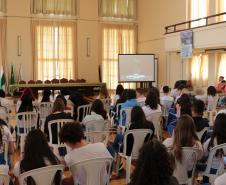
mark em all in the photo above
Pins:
pixel 129 104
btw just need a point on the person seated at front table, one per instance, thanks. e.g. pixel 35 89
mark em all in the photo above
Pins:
pixel 37 154
pixel 58 113
pixel 46 96
pixel 73 136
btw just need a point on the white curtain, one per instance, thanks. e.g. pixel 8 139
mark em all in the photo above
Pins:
pixel 221 7
pixel 222 65
pixel 2 6
pixel 199 70
pixel 56 7
pixel 199 9
pixel 116 39
pixel 118 8
pixel 54 50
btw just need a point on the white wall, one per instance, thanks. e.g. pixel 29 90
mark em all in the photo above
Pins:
pixel 19 23
pixel 153 16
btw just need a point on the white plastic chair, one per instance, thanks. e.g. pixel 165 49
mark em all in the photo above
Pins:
pixel 59 124
pixel 155 119
pixel 118 107
pixel 41 176
pixel 220 170
pixel 201 133
pixel 139 136
pixel 166 105
pixel 127 123
pixel 4 177
pixel 97 131
pixel 45 109
pixel 107 104
pixel 94 169
pixel 189 159
pixel 85 109
pixel 25 121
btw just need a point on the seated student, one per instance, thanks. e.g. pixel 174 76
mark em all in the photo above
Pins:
pixel 184 136
pixel 220 180
pixel 72 135
pixel 5 136
pixel 212 98
pixel 138 121
pixel 47 96
pixel 218 137
pixel 200 95
pixel 156 91
pixel 58 113
pixel 182 89
pixel 174 92
pixel 119 91
pixel 78 100
pixel 183 105
pixel 64 100
pixel 130 99
pixel 4 102
pixel 27 94
pixel 153 166
pixel 197 110
pixel 103 93
pixel 151 105
pixel 140 95
pixel 37 154
pixel 166 95
pixel 97 112
pixel 220 85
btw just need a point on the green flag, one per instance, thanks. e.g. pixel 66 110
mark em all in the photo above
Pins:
pixel 2 80
pixel 12 79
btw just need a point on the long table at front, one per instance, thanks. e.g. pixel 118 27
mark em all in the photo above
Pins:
pixel 87 88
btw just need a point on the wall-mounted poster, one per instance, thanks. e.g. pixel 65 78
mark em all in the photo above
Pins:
pixel 186 43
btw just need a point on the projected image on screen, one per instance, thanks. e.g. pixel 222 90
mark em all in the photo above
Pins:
pixel 136 68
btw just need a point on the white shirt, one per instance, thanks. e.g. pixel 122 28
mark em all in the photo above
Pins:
pixel 90 151
pixel 92 117
pixel 220 180
pixel 149 112
pixel 115 99
pixel 201 97
pixel 167 98
pixel 6 136
pixel 212 103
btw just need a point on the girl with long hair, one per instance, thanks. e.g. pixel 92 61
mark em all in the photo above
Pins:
pixel 37 154
pixel 153 166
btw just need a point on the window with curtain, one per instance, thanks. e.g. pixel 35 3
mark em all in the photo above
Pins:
pixel 220 8
pixel 54 50
pixel 199 9
pixel 2 6
pixel 55 7
pixel 116 39
pixel 199 70
pixel 125 9
pixel 222 66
